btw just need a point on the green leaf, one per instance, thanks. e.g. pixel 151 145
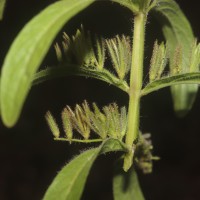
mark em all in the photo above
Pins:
pixel 57 72
pixel 27 53
pixel 136 6
pixel 132 5
pixel 126 185
pixel 177 31
pixel 187 78
pixel 2 7
pixel 70 181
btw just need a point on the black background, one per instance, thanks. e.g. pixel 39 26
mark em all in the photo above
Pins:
pixel 30 159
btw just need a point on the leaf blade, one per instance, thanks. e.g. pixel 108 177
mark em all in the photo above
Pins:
pixel 133 6
pixel 126 185
pixel 69 183
pixel 34 39
pixel 57 190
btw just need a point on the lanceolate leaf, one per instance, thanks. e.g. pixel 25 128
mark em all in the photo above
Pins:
pixel 2 7
pixel 177 31
pixel 56 72
pixel 70 181
pixel 126 185
pixel 28 51
pixel 187 78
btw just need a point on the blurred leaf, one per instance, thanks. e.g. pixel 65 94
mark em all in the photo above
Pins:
pixel 0 94
pixel 70 181
pixel 126 185
pixel 177 31
pixel 27 53
pixel 187 78
pixel 2 7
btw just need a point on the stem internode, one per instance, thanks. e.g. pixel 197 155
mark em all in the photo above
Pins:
pixel 136 77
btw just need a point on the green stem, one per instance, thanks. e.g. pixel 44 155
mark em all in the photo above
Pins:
pixel 136 78
pixel 78 140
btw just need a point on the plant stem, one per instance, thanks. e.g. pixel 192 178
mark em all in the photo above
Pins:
pixel 136 78
pixel 78 140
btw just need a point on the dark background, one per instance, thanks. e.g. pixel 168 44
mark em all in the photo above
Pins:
pixel 30 159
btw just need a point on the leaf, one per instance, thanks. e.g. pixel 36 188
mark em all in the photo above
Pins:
pixel 133 6
pixel 136 6
pixel 187 78
pixel 2 7
pixel 70 181
pixel 27 53
pixel 177 31
pixel 57 72
pixel 126 185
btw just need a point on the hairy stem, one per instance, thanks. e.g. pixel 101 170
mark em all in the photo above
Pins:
pixel 136 77
pixel 78 140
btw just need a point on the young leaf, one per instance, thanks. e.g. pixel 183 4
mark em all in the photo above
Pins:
pixel 2 7
pixel 28 51
pixel 126 185
pixel 70 181
pixel 177 30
